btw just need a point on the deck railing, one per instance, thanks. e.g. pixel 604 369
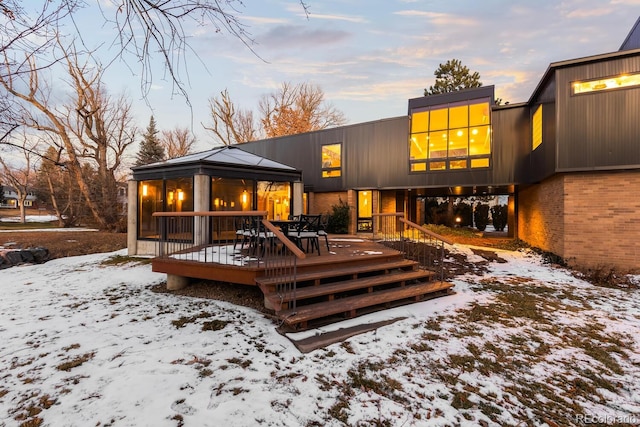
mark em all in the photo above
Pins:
pixel 232 238
pixel 416 242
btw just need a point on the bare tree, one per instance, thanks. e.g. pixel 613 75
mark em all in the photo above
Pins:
pixel 92 129
pixel 177 142
pixel 230 125
pixel 20 177
pixel 295 109
pixel 291 110
pixel 142 28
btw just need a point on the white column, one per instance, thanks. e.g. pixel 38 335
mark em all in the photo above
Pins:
pixel 297 196
pixel 132 217
pixel 201 203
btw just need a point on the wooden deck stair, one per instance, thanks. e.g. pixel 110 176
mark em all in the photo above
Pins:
pixel 350 289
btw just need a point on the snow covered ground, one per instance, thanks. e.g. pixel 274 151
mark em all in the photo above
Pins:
pixel 85 343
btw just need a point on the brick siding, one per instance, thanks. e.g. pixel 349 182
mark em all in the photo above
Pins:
pixel 589 219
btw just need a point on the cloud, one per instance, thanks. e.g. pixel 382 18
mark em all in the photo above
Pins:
pixel 587 13
pixel 264 20
pixel 354 19
pixel 442 19
pixel 289 36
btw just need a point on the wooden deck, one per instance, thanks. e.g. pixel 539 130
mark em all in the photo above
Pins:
pixel 342 251
pixel 357 276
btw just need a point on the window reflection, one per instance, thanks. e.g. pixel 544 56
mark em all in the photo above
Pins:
pixel 275 198
pixel 331 160
pixel 149 201
pixel 231 194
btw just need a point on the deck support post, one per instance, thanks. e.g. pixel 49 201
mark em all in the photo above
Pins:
pixel 175 283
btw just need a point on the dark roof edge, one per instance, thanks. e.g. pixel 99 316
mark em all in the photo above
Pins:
pixel 633 30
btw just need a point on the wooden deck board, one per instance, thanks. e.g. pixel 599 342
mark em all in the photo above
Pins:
pixel 350 304
pixel 355 269
pixel 351 285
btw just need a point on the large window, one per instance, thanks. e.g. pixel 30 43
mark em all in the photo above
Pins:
pixel 618 82
pixel 275 198
pixel 453 136
pixel 229 194
pixel 331 160
pixel 172 195
pixel 536 128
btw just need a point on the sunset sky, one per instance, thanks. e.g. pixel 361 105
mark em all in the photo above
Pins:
pixel 369 57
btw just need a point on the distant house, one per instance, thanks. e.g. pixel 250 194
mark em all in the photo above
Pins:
pixel 11 198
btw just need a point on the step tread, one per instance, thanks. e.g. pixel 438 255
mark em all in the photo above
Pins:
pixel 328 308
pixel 344 271
pixel 352 284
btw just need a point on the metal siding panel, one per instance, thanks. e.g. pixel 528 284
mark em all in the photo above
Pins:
pixel 512 144
pixel 601 129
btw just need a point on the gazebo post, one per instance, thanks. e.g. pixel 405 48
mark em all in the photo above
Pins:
pixel 201 203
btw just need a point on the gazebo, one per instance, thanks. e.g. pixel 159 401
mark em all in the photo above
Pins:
pixel 222 179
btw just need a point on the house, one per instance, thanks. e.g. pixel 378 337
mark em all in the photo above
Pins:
pixel 11 198
pixel 567 160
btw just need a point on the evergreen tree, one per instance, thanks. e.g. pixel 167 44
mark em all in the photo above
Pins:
pixel 453 76
pixel 151 150
pixel 1 195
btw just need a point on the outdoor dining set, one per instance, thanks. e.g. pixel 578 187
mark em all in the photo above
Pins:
pixel 303 230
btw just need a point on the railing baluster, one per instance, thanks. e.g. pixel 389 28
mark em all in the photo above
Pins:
pixel 414 241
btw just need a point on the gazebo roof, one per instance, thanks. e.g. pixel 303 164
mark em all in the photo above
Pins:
pixel 228 158
pixel 222 155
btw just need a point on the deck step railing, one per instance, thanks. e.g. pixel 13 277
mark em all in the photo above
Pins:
pixel 240 239
pixel 414 241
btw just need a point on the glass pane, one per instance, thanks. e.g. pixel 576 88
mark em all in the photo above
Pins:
pixel 458 117
pixel 331 173
pixel 437 166
pixel 364 204
pixel 439 119
pixel 479 163
pixel 458 164
pixel 480 140
pixel 479 114
pixel 458 143
pixel 438 144
pixel 275 198
pixel 231 194
pixel 179 195
pixel 418 147
pixel 420 122
pixel 417 167
pixel 149 201
pixel 618 82
pixel 537 128
pixel 331 157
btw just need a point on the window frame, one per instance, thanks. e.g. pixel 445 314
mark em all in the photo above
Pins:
pixel 327 170
pixel 445 159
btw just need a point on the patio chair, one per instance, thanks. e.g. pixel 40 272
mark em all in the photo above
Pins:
pixel 322 230
pixel 244 232
pixel 307 229
pixel 263 237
